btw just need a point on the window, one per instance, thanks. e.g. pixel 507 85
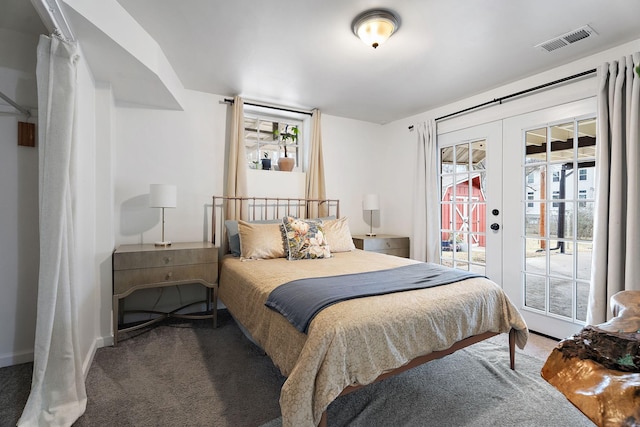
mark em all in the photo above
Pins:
pixel 556 196
pixel 269 137
pixel 530 178
pixel 556 176
pixel 582 173
pixel 530 197
pixel 582 194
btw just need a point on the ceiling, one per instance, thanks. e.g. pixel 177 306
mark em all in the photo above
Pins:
pixel 303 54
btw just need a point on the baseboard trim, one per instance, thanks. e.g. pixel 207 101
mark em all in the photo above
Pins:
pixel 16 358
pixel 99 342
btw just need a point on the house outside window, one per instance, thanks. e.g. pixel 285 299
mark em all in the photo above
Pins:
pixel 582 195
pixel 582 173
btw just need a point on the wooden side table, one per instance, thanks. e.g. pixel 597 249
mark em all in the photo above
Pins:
pixel 383 243
pixel 147 266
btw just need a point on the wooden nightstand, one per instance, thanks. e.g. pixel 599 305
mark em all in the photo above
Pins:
pixel 383 243
pixel 148 266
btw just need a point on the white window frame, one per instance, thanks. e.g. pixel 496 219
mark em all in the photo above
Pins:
pixel 300 120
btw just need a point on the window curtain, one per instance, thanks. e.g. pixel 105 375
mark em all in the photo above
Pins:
pixel 616 241
pixel 426 217
pixel 315 188
pixel 58 394
pixel 237 164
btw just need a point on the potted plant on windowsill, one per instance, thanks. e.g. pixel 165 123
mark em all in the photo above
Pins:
pixel 290 135
pixel 266 162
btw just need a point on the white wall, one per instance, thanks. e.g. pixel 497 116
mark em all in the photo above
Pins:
pixel 87 273
pixel 19 247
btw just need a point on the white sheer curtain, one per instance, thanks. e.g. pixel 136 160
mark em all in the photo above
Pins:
pixel 426 217
pixel 237 163
pixel 616 241
pixel 58 394
pixel 315 188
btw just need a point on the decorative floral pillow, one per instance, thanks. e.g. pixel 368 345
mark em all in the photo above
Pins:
pixel 305 239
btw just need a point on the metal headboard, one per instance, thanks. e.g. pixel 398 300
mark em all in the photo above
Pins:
pixel 266 208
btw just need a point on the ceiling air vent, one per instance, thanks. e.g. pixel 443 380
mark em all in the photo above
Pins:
pixel 567 39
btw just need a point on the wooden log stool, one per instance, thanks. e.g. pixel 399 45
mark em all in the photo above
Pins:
pixel 598 370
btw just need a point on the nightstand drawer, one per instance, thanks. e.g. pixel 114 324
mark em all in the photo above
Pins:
pixel 385 243
pixel 401 252
pixel 123 280
pixel 163 258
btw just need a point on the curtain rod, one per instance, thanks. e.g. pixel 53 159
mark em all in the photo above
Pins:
pixel 513 95
pixel 255 104
pixel 15 105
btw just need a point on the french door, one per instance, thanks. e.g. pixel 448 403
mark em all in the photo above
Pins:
pixel 549 198
pixel 517 199
pixel 470 199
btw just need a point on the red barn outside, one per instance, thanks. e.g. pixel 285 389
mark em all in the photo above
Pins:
pixel 466 214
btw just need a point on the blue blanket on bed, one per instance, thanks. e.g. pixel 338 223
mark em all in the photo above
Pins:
pixel 300 300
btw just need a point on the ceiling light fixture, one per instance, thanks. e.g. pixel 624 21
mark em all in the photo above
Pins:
pixel 375 26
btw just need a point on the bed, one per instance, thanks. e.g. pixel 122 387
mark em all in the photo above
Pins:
pixel 355 342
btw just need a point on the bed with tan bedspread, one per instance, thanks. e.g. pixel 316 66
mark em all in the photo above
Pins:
pixel 355 341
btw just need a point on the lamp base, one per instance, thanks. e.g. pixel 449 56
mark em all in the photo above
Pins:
pixel 163 244
pixel 371 234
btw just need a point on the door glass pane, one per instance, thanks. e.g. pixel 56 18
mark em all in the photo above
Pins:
pixel 587 139
pixel 582 298
pixel 560 296
pixel 479 154
pixel 535 256
pixel 446 160
pixel 562 142
pixel 536 145
pixel 534 216
pixel 558 198
pixel 583 256
pixel 561 220
pixel 561 259
pixel 534 292
pixel 462 157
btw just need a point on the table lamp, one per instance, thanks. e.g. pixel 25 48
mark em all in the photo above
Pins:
pixel 371 203
pixel 162 196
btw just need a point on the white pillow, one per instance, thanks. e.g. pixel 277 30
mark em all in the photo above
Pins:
pixel 338 235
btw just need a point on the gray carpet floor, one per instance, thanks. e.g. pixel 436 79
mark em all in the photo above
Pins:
pixel 184 373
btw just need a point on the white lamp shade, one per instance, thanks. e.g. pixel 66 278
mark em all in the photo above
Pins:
pixel 163 196
pixel 371 202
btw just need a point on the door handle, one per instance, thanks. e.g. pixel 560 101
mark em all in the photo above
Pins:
pixel 495 226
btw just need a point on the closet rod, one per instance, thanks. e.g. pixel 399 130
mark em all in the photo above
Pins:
pixel 254 104
pixel 522 92
pixel 14 105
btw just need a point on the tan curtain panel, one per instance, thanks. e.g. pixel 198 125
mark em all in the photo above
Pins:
pixel 315 188
pixel 615 264
pixel 237 164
